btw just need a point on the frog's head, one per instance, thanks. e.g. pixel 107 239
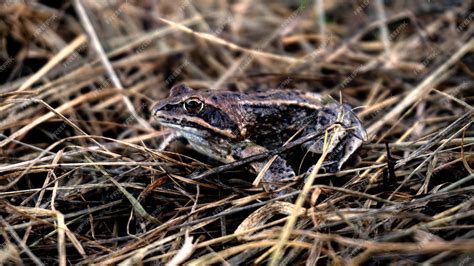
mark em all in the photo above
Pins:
pixel 197 113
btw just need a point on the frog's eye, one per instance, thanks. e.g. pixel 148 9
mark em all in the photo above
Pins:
pixel 193 105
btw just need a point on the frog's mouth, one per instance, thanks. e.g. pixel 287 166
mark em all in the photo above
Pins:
pixel 200 128
pixel 183 125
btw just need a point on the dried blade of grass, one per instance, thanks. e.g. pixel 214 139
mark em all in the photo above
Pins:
pixel 463 103
pixel 380 159
pixel 425 226
pixel 149 248
pixel 463 155
pixel 56 217
pixel 466 118
pixel 9 253
pixel 31 165
pixel 64 53
pixel 192 182
pixel 373 94
pixel 403 145
pixel 289 195
pixel 450 211
pixel 458 183
pixel 184 252
pixel 150 36
pixel 106 63
pixel 430 157
pixel 425 248
pixel 379 7
pixel 127 142
pixel 66 165
pixel 378 106
pixel 135 203
pixel 188 247
pixel 319 4
pixel 263 214
pixel 431 166
pixel 72 237
pixel 24 247
pixel 61 238
pixel 69 122
pixel 216 257
pixel 422 89
pixel 68 105
pixel 206 206
pixel 60 219
pixel 28 145
pixel 286 232
pixel 69 215
pixel 228 44
pixel 353 193
pixel 244 61
pixel 41 194
pixel 60 227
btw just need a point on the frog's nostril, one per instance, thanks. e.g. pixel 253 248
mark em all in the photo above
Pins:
pixel 157 108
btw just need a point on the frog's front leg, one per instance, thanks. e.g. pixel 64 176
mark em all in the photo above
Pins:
pixel 174 136
pixel 279 169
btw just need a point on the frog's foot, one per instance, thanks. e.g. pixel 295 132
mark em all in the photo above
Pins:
pixel 274 176
pixel 326 168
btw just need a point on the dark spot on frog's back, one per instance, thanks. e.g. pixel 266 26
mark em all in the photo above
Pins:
pixel 232 96
pixel 323 120
pixel 260 97
pixel 226 96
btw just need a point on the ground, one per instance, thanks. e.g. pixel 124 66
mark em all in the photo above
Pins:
pixel 83 179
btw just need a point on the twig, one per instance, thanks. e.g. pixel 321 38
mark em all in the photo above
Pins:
pixel 422 89
pixel 105 61
pixel 25 248
pixel 379 7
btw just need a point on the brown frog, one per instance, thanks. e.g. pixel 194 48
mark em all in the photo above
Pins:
pixel 229 126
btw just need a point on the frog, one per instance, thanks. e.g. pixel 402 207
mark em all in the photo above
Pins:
pixel 228 126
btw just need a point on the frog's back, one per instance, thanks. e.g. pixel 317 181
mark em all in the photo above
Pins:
pixel 273 116
pixel 280 97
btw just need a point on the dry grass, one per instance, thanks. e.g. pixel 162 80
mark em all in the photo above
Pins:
pixel 82 178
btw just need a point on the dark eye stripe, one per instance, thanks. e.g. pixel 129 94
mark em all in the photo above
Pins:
pixel 169 107
pixel 217 118
pixel 209 114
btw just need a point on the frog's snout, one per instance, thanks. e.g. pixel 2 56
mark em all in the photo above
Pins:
pixel 157 108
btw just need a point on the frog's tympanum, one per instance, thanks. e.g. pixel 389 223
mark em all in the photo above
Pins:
pixel 229 126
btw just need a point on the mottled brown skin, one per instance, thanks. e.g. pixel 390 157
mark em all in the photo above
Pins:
pixel 229 126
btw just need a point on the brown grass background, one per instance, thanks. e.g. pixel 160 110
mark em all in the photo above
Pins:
pixel 82 179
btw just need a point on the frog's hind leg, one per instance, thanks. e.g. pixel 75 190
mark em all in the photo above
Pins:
pixel 356 135
pixel 333 161
pixel 325 118
pixel 346 139
pixel 338 155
